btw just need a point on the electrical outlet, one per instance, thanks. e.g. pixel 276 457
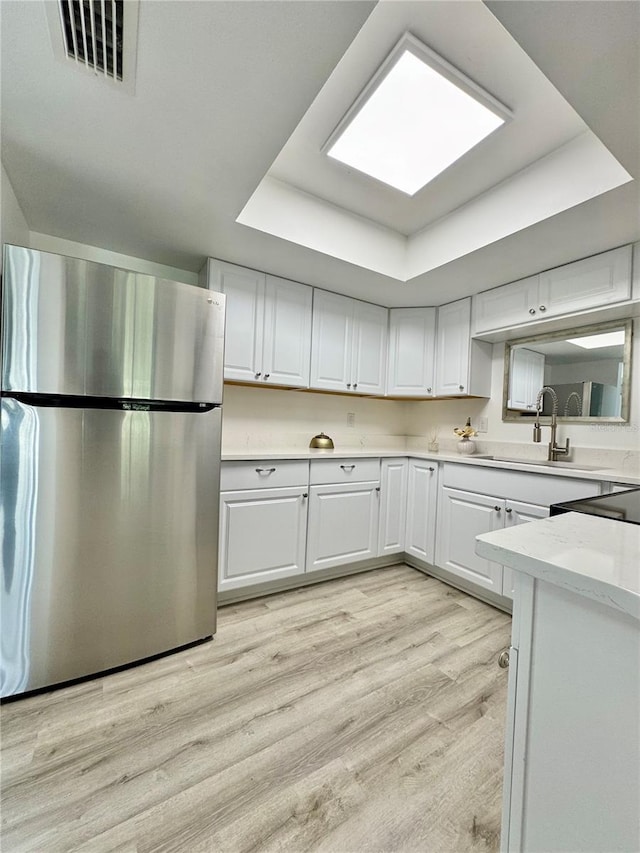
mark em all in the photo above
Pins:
pixel 483 425
pixel 351 419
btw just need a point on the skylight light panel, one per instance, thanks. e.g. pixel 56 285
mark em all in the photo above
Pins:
pixel 416 117
pixel 608 339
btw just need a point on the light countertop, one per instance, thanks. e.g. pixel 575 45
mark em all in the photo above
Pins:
pixel 600 475
pixel 595 557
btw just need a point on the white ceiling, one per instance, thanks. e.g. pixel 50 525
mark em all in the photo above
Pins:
pixel 222 86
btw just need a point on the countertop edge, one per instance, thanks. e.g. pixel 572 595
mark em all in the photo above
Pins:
pixel 599 476
pixel 531 556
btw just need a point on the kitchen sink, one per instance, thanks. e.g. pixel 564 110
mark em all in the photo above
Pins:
pixel 544 463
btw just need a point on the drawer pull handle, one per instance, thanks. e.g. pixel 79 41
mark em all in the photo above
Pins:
pixel 265 470
pixel 347 467
pixel 503 660
pixel 498 508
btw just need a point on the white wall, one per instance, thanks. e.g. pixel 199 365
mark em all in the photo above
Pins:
pixel 443 416
pixel 266 418
pixel 13 225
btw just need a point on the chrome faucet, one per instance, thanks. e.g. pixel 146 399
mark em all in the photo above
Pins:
pixel 573 396
pixel 554 450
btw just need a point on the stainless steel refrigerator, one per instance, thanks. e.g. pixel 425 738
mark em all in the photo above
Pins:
pixel 109 468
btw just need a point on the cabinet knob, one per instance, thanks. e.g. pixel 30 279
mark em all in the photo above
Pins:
pixel 305 494
pixel 532 310
pixel 267 375
pixel 461 387
pixel 428 390
pixel 377 488
pixel 543 307
pixel 503 659
pixel 355 385
pixel 258 375
pixel 509 509
pixel 498 508
pixel 348 385
pixel 432 470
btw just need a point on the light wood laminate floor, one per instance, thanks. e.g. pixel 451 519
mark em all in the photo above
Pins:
pixel 361 714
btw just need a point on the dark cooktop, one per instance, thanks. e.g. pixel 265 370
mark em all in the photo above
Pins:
pixel 621 506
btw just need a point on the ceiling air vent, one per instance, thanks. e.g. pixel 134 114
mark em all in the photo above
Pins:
pixel 99 36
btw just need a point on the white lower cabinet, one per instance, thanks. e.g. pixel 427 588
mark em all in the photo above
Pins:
pixel 519 513
pixel 463 516
pixel 343 524
pixel 422 495
pixel 393 506
pixel 262 535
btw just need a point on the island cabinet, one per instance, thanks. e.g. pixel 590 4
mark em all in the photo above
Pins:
pixel 593 282
pixel 268 326
pixel 572 748
pixel 344 499
pixel 473 501
pixel 412 344
pixel 349 345
pixel 263 522
pixel 463 365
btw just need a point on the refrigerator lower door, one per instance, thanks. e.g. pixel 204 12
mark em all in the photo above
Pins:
pixel 109 550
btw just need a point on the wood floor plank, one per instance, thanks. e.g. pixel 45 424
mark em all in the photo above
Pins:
pixel 333 717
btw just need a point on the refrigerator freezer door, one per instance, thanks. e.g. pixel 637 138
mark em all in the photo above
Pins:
pixel 79 328
pixel 110 538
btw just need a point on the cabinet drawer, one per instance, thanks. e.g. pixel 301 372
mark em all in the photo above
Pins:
pixel 262 474
pixel 518 485
pixel 343 471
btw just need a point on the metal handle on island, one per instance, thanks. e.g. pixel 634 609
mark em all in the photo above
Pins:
pixel 503 659
pixel 265 470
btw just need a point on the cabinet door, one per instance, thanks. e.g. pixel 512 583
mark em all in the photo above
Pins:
pixel 343 524
pixel 526 377
pixel 369 355
pixel 588 283
pixel 519 513
pixel 506 306
pixel 262 535
pixel 287 333
pixel 453 344
pixel 244 289
pixel 463 516
pixel 331 341
pixel 411 352
pixel 421 510
pixel 393 506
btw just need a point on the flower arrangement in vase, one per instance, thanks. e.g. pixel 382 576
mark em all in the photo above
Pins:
pixel 465 445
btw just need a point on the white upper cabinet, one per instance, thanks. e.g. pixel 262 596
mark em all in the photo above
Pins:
pixel 527 378
pixel 349 344
pixel 268 326
pixel 287 332
pixel 463 366
pixel 586 284
pixel 506 306
pixel 411 352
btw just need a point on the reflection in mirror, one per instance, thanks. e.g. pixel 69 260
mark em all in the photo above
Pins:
pixel 588 368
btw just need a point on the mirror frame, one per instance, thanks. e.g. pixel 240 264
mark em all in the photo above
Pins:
pixel 510 416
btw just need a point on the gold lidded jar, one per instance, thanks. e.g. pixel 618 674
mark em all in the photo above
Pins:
pixel 321 442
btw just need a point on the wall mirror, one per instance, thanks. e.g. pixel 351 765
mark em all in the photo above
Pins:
pixel 589 369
